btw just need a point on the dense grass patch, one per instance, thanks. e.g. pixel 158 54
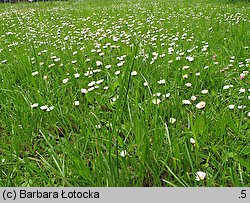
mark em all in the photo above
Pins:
pixel 124 93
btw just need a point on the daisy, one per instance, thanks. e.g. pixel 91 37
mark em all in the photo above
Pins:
pixel 192 140
pixel 99 81
pixel 185 76
pixel 190 58
pixel 166 95
pixel 108 66
pixel 193 98
pixel 76 103
pixel 185 67
pixel 34 73
pixel 123 153
pixel 117 72
pixel 98 63
pixel 50 108
pixel 161 82
pixel 91 89
pixel 156 101
pixel 226 87
pixel 44 108
pixel 114 99
pixel 157 94
pixel 242 76
pixel 186 102
pixel 97 71
pixel 84 91
pixel 92 83
pixel 133 73
pixel 242 90
pixel 204 91
pixel 200 175
pixel 172 120
pixel 120 64
pixel 77 75
pixel 98 126
pixel 201 105
pixel 34 105
pixel 65 80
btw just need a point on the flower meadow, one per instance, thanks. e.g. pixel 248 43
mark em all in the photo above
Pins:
pixel 125 93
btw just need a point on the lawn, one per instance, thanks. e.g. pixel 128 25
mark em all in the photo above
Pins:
pixel 125 93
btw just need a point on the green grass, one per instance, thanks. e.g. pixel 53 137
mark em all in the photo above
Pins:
pixel 83 145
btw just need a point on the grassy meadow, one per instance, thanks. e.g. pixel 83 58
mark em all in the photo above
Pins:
pixel 125 93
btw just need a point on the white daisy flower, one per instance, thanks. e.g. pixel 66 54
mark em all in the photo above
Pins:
pixel 77 75
pixel 226 87
pixel 161 82
pixel 114 99
pixel 98 63
pixel 156 101
pixel 117 72
pixel 188 84
pixel 242 76
pixel 201 105
pixel 120 64
pixel 200 175
pixel 242 90
pixel 157 94
pixel 190 58
pixel 172 120
pixel 166 95
pixel 123 153
pixel 34 105
pixel 185 76
pixel 204 91
pixel 231 106
pixel 98 126
pixel 99 81
pixel 50 108
pixel 84 91
pixel 44 108
pixel 186 102
pixel 65 80
pixel 193 98
pixel 108 66
pixel 97 71
pixel 192 140
pixel 133 73
pixel 92 83
pixel 76 103
pixel 34 73
pixel 185 67
pixel 91 89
